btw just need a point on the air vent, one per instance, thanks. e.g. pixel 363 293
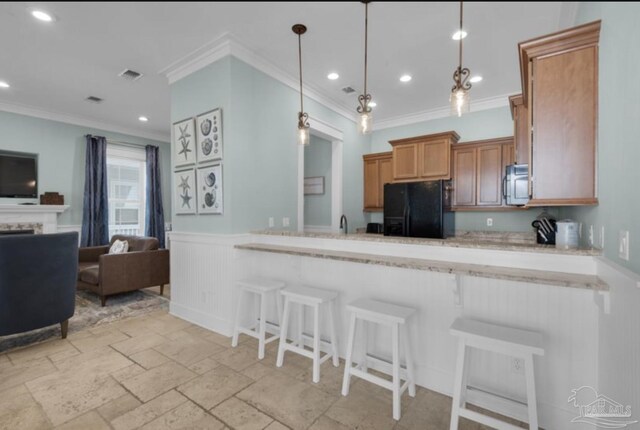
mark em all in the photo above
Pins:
pixel 131 75
pixel 94 99
pixel 348 90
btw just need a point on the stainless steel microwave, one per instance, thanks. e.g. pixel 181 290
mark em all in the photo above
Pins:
pixel 515 185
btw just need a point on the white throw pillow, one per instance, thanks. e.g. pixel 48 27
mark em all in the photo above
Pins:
pixel 119 247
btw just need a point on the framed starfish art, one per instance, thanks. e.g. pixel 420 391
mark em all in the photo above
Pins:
pixel 184 143
pixel 184 192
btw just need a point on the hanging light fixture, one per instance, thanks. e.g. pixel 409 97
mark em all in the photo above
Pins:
pixel 459 97
pixel 303 118
pixel 364 125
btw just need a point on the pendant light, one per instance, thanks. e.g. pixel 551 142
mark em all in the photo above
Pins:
pixel 459 97
pixel 364 125
pixel 303 118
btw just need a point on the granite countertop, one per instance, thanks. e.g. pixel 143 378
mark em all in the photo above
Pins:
pixel 483 271
pixel 504 241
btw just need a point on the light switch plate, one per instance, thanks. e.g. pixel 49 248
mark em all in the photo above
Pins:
pixel 623 245
pixel 285 222
pixel 271 222
pixel 591 239
pixel 489 222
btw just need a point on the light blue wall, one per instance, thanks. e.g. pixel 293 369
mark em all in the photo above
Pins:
pixel 317 162
pixel 479 125
pixel 61 157
pixel 260 152
pixel 618 128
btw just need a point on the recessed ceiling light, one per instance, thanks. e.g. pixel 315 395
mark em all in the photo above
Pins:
pixel 459 35
pixel 42 16
pixel 143 119
pixel 405 78
pixel 3 84
pixel 333 76
pixel 373 104
pixel 475 79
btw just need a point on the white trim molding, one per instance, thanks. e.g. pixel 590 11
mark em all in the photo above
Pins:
pixel 442 112
pixel 81 121
pixel 228 44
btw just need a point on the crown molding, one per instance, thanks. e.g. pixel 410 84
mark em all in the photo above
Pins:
pixel 443 112
pixel 228 44
pixel 81 121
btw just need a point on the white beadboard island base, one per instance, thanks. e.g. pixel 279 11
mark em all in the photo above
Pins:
pixel 571 320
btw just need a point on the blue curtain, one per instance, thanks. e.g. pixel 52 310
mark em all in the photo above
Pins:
pixel 95 210
pixel 154 214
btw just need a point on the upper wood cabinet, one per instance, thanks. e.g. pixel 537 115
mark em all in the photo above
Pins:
pixel 478 170
pixel 423 158
pixel 377 172
pixel 560 83
pixel 521 133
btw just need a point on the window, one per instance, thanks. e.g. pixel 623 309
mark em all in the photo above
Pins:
pixel 126 176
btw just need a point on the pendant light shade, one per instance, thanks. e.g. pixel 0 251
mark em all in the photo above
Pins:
pixel 459 98
pixel 364 124
pixel 303 117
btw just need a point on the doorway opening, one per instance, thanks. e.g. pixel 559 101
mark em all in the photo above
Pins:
pixel 320 163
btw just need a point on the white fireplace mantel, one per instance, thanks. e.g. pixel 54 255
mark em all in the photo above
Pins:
pixel 47 215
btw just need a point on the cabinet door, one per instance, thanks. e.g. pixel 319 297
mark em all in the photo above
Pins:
pixel 405 161
pixel 564 127
pixel 464 172
pixel 520 135
pixel 434 159
pixel 371 187
pixel 385 176
pixel 489 179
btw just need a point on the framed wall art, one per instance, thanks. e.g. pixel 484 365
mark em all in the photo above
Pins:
pixel 184 143
pixel 209 136
pixel 184 191
pixel 210 189
pixel 314 185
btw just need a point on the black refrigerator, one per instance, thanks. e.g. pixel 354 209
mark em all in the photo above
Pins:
pixel 418 209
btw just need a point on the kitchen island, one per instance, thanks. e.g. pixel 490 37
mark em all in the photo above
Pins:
pixel 512 282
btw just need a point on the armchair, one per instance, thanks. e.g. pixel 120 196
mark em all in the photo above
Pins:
pixel 106 274
pixel 37 281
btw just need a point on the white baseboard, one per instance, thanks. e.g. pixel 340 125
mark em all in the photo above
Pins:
pixel 202 319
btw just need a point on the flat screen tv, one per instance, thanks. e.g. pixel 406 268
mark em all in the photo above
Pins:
pixel 18 175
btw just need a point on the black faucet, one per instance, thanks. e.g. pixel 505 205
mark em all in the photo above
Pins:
pixel 344 218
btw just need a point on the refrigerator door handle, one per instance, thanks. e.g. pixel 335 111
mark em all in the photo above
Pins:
pixel 407 221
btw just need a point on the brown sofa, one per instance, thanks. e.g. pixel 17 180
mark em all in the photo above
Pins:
pixel 105 274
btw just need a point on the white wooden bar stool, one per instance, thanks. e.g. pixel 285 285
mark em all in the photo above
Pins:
pixel 504 340
pixel 392 316
pixel 314 297
pixel 261 288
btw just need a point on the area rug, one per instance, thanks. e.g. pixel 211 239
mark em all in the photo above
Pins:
pixel 89 314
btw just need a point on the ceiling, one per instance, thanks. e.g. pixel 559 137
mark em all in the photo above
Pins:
pixel 53 67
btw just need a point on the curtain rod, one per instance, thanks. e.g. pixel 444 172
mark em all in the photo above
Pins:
pixel 129 144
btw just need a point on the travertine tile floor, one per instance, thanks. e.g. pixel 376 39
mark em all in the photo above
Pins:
pixel 160 372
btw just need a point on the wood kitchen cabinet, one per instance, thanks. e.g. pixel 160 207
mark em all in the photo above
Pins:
pixel 377 172
pixel 478 170
pixel 560 89
pixel 423 158
pixel 521 133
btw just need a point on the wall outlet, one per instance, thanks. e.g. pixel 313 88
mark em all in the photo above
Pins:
pixel 623 245
pixel 489 222
pixel 271 222
pixel 591 239
pixel 285 222
pixel 601 237
pixel 517 366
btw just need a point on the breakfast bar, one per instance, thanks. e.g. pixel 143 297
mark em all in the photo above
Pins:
pixel 504 279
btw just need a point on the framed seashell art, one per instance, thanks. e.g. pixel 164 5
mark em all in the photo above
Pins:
pixel 210 189
pixel 184 143
pixel 209 136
